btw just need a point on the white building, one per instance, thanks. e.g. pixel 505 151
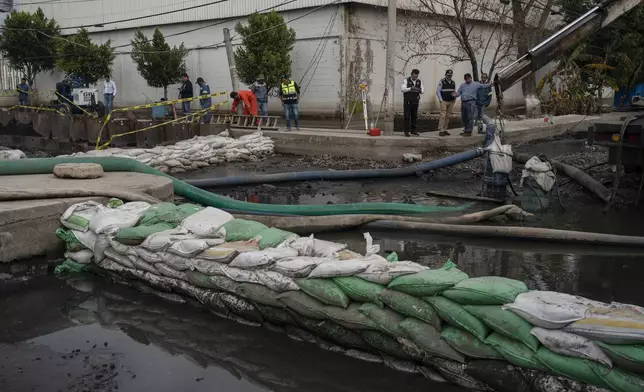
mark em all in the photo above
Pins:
pixel 346 37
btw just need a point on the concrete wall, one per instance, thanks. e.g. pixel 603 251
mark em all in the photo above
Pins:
pixel 321 83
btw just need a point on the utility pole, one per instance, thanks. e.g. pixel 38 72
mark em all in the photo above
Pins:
pixel 231 64
pixel 390 79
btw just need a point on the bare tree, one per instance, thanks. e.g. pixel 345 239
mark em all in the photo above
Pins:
pixel 478 31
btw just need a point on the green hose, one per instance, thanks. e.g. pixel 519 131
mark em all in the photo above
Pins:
pixel 196 195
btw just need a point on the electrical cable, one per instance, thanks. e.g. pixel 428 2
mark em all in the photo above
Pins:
pixel 316 61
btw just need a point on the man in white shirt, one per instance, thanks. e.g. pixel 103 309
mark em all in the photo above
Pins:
pixel 109 93
pixel 412 88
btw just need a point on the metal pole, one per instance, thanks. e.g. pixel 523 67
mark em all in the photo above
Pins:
pixel 390 79
pixel 231 65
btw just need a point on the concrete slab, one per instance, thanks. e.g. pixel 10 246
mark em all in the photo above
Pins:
pixel 354 143
pixel 27 227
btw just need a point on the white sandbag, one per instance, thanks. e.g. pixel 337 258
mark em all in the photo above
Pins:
pixel 147 256
pixel 634 308
pixel 208 267
pixel 500 156
pixel 371 249
pixel 338 268
pixel 165 270
pixel 123 260
pixel 385 272
pixel 309 246
pixel 189 247
pixel 100 246
pixel 571 345
pixel 177 262
pixel 549 309
pixel 297 267
pixel 262 258
pixel 86 211
pixel 82 257
pixel 12 155
pixel 122 249
pixel 610 325
pixel 110 220
pixel 206 222
pixel 241 276
pixel 162 240
pixel 276 281
pixel 144 266
pixel 86 238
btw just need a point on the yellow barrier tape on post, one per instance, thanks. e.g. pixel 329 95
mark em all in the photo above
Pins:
pixel 149 106
pixel 37 109
pixel 198 113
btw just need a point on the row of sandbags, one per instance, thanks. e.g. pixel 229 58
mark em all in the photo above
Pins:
pixel 195 153
pixel 403 309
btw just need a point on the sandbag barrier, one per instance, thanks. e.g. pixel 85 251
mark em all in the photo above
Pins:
pixel 438 322
pixel 195 153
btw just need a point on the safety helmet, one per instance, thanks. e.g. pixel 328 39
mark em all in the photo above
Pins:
pixel 449 72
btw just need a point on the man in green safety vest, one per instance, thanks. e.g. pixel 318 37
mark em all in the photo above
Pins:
pixel 289 93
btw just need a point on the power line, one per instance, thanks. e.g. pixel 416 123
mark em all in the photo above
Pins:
pixel 314 60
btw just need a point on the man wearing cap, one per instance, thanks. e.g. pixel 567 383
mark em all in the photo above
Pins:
pixel 185 91
pixel 261 93
pixel 412 88
pixel 445 93
pixel 23 92
pixel 468 92
pixel 205 103
pixel 289 93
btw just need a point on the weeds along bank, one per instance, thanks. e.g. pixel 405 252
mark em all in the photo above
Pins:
pixel 485 333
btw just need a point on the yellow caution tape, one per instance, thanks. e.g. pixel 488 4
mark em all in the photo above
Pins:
pixel 198 113
pixel 72 102
pixel 37 109
pixel 152 105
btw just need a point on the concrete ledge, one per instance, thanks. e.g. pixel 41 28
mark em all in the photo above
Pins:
pixel 28 228
pixel 357 144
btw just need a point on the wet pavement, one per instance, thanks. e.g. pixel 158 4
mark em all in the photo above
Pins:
pixel 93 335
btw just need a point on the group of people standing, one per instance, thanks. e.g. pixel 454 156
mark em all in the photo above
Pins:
pixel 475 97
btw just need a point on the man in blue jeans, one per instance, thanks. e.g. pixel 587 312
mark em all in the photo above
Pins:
pixel 289 93
pixel 186 92
pixel 23 92
pixel 206 103
pixel 109 92
pixel 261 93
pixel 468 92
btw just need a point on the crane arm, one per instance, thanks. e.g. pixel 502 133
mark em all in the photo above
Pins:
pixel 593 20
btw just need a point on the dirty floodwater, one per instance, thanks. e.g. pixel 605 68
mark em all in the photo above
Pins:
pixel 89 334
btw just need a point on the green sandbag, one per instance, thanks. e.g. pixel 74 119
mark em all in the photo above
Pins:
pixel 487 290
pixel 456 316
pixel 242 229
pixel 272 237
pixel 386 319
pixel 515 352
pixel 384 343
pixel 69 267
pixel 428 338
pixel 259 294
pixel 506 323
pixel 410 306
pixel 468 345
pixel 168 213
pixel 574 368
pixel 428 282
pixel 360 290
pixel 219 283
pixel 335 333
pixel 303 304
pixel 324 290
pixel 136 235
pixel 71 242
pixel 628 357
pixel 392 257
pixel 617 379
pixel 351 317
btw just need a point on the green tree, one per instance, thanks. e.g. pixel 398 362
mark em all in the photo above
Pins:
pixel 27 41
pixel 158 63
pixel 266 48
pixel 78 55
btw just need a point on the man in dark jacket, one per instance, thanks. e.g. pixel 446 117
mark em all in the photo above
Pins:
pixel 412 88
pixel 444 93
pixel 261 93
pixel 483 100
pixel 205 103
pixel 186 92
pixel 23 92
